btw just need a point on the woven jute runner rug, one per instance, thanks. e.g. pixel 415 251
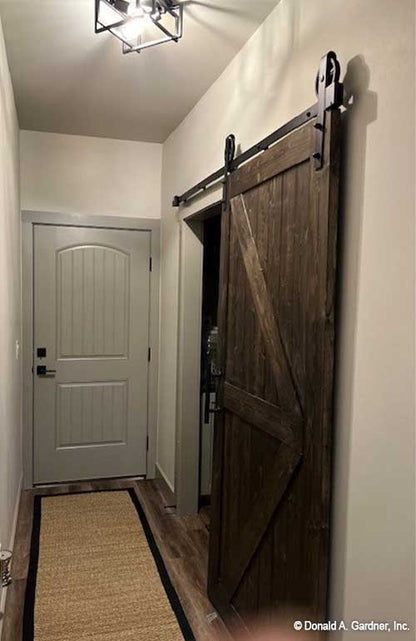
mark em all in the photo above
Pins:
pixel 96 573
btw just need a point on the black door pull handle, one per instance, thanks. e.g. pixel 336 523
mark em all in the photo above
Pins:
pixel 216 375
pixel 42 371
pixel 216 410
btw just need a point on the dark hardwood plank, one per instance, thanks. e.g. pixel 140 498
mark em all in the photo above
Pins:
pixel 265 416
pixel 21 550
pixel 289 152
pixel 265 313
pixel 259 513
pixel 13 616
pixel 219 431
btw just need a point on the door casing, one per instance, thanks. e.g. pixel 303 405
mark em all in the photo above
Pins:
pixel 31 218
pixel 189 358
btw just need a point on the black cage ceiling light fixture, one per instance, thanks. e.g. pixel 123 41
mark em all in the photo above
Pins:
pixel 140 24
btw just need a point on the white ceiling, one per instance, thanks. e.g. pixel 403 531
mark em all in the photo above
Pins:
pixel 69 80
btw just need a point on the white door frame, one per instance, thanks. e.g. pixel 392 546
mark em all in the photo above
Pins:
pixel 31 218
pixel 189 360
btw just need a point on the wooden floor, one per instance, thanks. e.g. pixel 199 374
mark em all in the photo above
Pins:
pixel 183 543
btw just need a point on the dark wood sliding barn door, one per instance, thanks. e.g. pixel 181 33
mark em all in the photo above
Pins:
pixel 271 479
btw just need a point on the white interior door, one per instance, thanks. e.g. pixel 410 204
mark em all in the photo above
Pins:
pixel 91 325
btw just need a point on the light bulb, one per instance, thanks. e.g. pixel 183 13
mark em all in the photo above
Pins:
pixel 133 28
pixel 134 10
pixel 147 5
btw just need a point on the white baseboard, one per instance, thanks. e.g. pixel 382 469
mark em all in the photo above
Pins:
pixel 161 474
pixel 3 592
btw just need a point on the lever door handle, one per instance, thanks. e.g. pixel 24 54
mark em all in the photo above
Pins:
pixel 41 370
pixel 216 410
pixel 216 375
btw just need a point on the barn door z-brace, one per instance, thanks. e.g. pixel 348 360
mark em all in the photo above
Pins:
pixel 329 92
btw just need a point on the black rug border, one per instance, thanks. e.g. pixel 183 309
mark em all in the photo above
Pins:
pixel 30 595
pixel 29 606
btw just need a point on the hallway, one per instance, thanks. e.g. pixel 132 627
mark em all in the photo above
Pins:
pixel 207 319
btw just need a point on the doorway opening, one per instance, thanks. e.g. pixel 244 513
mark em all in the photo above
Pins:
pixel 209 365
pixel 200 235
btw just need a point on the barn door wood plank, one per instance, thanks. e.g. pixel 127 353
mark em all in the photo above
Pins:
pixel 214 591
pixel 272 419
pixel 291 151
pixel 265 313
pixel 259 513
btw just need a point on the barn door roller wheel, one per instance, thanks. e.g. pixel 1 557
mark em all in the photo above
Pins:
pixel 330 94
pixel 333 74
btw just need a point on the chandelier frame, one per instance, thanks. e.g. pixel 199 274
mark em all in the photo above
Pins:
pixel 167 6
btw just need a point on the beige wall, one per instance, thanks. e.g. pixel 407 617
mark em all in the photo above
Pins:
pixel 270 81
pixel 86 175
pixel 10 305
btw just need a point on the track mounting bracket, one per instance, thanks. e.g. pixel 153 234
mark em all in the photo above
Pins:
pixel 330 94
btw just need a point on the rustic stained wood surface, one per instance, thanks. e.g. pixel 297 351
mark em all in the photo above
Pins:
pixel 272 445
pixel 183 543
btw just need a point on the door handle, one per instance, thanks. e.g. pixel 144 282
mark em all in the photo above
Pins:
pixel 41 370
pixel 216 409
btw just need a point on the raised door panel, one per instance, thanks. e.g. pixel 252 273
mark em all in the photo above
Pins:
pixel 91 414
pixel 93 302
